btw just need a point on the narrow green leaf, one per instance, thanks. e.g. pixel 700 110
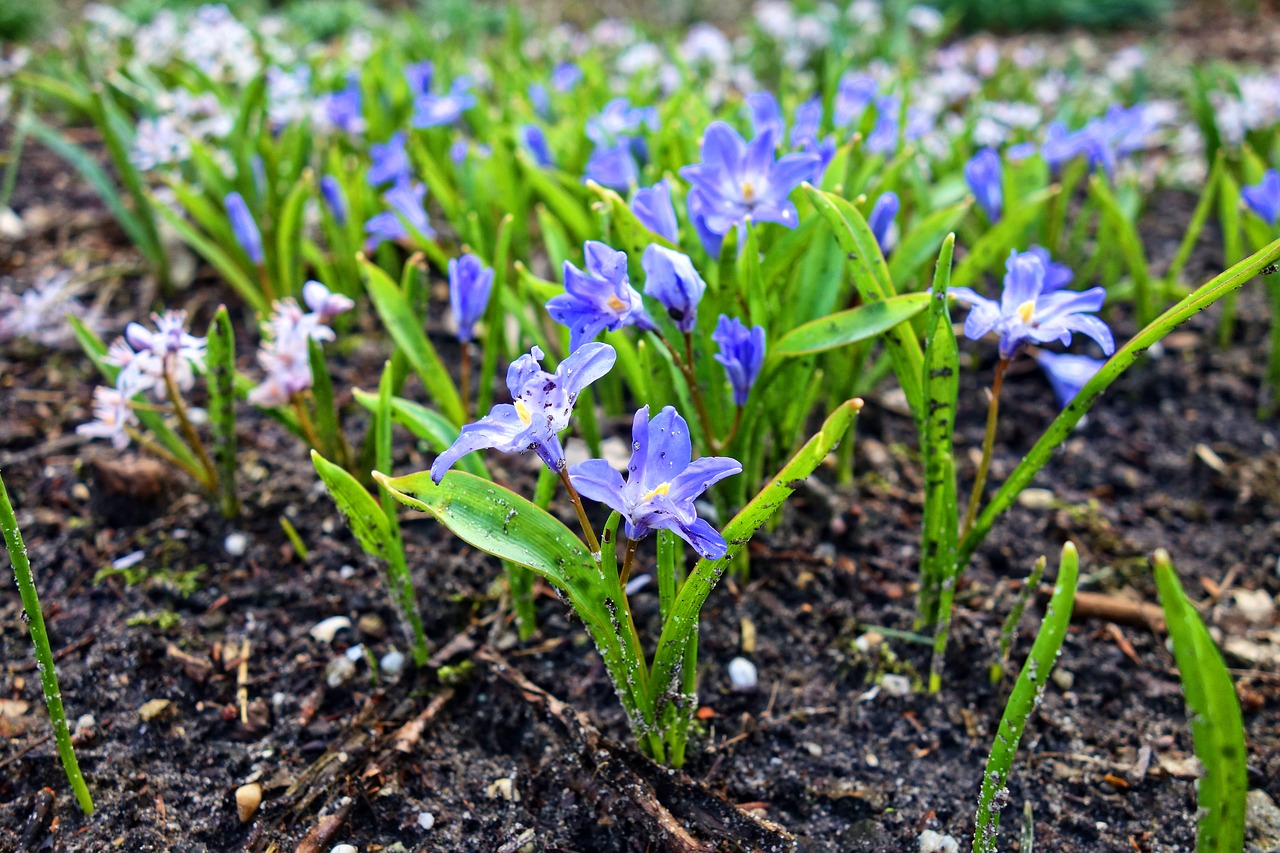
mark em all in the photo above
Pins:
pixel 289 237
pixel 847 327
pixel 569 209
pixel 220 358
pixel 1217 727
pixel 988 254
pixel 1122 229
pixel 328 427
pixel 924 241
pixel 432 427
pixel 221 260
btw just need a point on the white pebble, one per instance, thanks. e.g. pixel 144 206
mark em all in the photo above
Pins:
pixel 426 820
pixel 936 842
pixel 743 675
pixel 354 653
pixel 345 848
pixel 896 685
pixel 346 571
pixel 236 544
pixel 392 662
pixel 328 629
pixel 86 722
pixel 339 672
pixel 128 561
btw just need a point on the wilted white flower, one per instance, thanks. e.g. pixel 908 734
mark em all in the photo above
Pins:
pixel 40 313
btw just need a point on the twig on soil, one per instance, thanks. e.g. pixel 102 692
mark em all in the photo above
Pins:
pixel 1111 608
pixel 242 681
pixel 84 642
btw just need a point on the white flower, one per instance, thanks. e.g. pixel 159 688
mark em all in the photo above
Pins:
pixel 926 19
pixel 112 414
pixel 705 44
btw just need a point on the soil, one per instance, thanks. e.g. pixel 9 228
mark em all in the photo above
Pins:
pixel 1174 456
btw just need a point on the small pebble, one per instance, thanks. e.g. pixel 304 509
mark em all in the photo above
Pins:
pixel 248 798
pixel 328 629
pixel 345 848
pixel 154 709
pixel 426 820
pixel 80 492
pixel 1036 499
pixel 896 685
pixel 935 842
pixel 236 544
pixel 371 625
pixel 743 675
pixel 1064 678
pixel 346 571
pixel 128 561
pixel 86 722
pixel 392 662
pixel 354 653
pixel 339 671
pixel 504 788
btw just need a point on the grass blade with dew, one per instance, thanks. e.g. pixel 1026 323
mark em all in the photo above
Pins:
pixel 44 654
pixel 1204 296
pixel 1217 727
pixel 1024 699
pixel 1015 615
pixel 221 360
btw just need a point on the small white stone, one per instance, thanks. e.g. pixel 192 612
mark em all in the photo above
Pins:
pixel 392 662
pixel 128 561
pixel 743 675
pixel 426 820
pixel 935 842
pixel 236 544
pixel 896 685
pixel 339 671
pixel 354 653
pixel 345 848
pixel 325 631
pixel 1255 605
pixel 346 571
pixel 86 722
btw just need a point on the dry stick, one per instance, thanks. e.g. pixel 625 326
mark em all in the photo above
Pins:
pixel 304 422
pixel 988 444
pixel 626 563
pixel 242 681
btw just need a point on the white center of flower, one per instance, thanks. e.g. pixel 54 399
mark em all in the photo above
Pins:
pixel 1026 311
pixel 660 489
pixel 748 191
pixel 526 417
pixel 616 304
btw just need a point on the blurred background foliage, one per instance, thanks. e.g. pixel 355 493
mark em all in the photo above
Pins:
pixel 26 20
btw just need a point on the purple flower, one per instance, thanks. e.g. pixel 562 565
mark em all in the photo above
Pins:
pixel 470 283
pixel 390 161
pixel 540 99
pixel 671 279
pixel 565 76
pixel 619 119
pixel 807 123
pixel 405 201
pixel 541 405
pixel 145 357
pixel 652 206
pixel 741 353
pixel 1091 142
pixel 882 221
pixel 323 303
pixel 331 190
pixel 1056 275
pixel 1067 373
pixel 536 141
pixel 735 180
pixel 419 75
pixel 112 414
pixel 662 483
pixel 243 226
pixel 856 92
pixel 435 110
pixel 344 108
pixel 697 207
pixel 766 115
pixel 984 174
pixel 1263 198
pixel 600 298
pixel 1026 312
pixel 613 166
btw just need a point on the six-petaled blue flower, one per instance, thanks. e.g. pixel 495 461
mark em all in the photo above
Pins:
pixel 598 299
pixel 1067 373
pixel 662 483
pixel 652 206
pixel 883 221
pixel 671 279
pixel 541 405
pixel 984 175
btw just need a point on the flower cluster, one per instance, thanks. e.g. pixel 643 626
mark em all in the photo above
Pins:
pixel 285 354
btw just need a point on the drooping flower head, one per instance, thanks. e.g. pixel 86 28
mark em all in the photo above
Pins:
pixel 470 283
pixel 541 406
pixel 984 175
pixel 535 140
pixel 1026 313
pixel 1263 198
pixel 323 303
pixel 244 227
pixel 343 109
pixel 1067 373
pixel 613 166
pixel 671 279
pixel 419 76
pixel 599 299
pixel 652 206
pixel 736 180
pixel 883 221
pixel 662 483
pixel 741 353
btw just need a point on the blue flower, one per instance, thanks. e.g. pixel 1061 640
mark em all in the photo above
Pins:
pixel 344 108
pixel 741 353
pixel 1263 197
pixel 697 207
pixel 541 406
pixel 565 76
pixel 882 221
pixel 243 226
pixel 984 174
pixel 536 141
pixel 331 191
pixel 434 110
pixel 540 99
pixel 1026 312
pixel 735 180
pixel 652 206
pixel 1056 275
pixel 405 201
pixel 662 483
pixel 1067 373
pixel 766 115
pixel 855 93
pixel 671 279
pixel 618 119
pixel 390 161
pixel 613 166
pixel 600 298
pixel 419 75
pixel 470 283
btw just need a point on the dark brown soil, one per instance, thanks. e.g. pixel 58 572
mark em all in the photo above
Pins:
pixel 1174 456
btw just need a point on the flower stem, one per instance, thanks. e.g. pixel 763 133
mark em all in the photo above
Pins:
pixel 210 479
pixel 267 290
pixel 304 422
pixel 988 442
pixel 733 430
pixel 587 529
pixel 465 379
pixel 695 391
pixel 162 452
pixel 627 560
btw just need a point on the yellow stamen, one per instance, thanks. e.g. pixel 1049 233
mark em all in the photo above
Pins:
pixel 1027 310
pixel 660 489
pixel 616 304
pixel 748 192
pixel 526 417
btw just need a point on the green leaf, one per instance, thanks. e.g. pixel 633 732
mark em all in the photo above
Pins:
pixel 221 260
pixel 847 327
pixel 1208 293
pixel 993 247
pixel 1122 229
pixel 220 358
pixel 570 210
pixel 406 330
pixel 328 427
pixel 430 426
pixel 1217 727
pixel 633 235
pixel 374 533
pixel 289 237
pixel 679 629
pixel 924 241
pixel 1025 697
pixel 871 278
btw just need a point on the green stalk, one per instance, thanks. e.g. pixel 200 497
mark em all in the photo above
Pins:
pixel 44 654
